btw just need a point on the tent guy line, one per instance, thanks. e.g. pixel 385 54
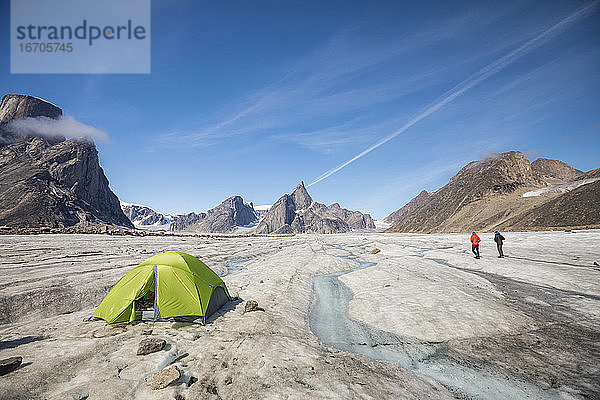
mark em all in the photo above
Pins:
pixel 473 80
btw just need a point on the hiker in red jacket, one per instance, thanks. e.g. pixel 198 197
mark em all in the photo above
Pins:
pixel 475 244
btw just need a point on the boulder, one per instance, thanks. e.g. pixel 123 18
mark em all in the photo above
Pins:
pixel 10 364
pixel 192 380
pixel 150 345
pixel 375 251
pixel 165 377
pixel 251 305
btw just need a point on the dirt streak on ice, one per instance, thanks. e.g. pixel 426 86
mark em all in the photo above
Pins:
pixel 330 322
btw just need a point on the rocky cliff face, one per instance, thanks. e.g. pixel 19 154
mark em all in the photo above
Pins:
pixel 143 216
pixel 185 221
pixel 227 216
pixel 354 219
pixel 18 106
pixel 555 170
pixel 261 211
pixel 298 213
pixel 412 205
pixel 498 193
pixel 55 183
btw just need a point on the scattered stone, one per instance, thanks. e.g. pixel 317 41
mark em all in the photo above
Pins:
pixel 120 367
pixel 375 251
pixel 165 377
pixel 261 281
pixel 10 364
pixel 212 389
pixel 179 358
pixel 150 345
pixel 192 380
pixel 251 305
pixel 387 285
pixel 228 380
pixel 596 264
pixel 179 396
pixel 147 332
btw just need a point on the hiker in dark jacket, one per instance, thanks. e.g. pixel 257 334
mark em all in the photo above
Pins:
pixel 498 238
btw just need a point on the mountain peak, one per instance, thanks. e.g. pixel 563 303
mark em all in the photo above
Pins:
pixel 555 170
pixel 301 197
pixel 18 106
pixel 489 194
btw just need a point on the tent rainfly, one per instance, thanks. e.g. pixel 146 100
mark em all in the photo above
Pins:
pixel 171 284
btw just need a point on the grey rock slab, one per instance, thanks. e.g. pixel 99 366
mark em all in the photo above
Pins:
pixel 10 364
pixel 150 345
pixel 165 377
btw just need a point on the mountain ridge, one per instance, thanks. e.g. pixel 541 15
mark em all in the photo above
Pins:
pixel 299 213
pixel 493 193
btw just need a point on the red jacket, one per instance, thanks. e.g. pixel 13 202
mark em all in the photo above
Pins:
pixel 475 239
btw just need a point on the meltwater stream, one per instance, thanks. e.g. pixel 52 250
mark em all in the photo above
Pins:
pixel 330 322
pixel 237 265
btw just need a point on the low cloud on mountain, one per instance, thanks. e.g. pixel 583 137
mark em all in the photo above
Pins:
pixel 66 126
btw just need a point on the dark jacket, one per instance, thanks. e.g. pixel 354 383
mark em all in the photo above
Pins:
pixel 498 238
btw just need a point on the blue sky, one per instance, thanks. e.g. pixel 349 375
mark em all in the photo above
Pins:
pixel 249 98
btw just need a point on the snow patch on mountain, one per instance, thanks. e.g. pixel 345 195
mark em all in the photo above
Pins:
pixel 561 187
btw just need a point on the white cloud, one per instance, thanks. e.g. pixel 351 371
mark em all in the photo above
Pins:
pixel 327 84
pixel 47 127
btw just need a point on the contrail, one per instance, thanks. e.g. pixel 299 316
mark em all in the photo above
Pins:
pixel 470 82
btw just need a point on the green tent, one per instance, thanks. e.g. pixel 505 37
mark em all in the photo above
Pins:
pixel 171 285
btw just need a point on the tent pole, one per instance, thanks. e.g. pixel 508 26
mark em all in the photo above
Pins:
pixel 156 312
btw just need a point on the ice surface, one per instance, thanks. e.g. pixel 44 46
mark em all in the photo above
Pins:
pixel 452 326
